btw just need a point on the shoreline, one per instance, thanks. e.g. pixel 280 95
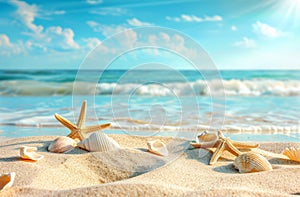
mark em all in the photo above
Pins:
pixel 185 173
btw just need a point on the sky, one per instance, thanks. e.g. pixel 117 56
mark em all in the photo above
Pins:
pixel 237 34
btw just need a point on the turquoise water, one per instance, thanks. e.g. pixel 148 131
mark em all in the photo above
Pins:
pixel 258 105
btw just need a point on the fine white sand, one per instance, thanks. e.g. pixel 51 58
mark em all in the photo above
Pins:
pixel 132 171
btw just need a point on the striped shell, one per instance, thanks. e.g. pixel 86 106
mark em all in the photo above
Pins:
pixel 157 147
pixel 206 137
pixel 7 180
pixel 252 162
pixel 292 153
pixel 98 142
pixel 62 144
pixel 29 153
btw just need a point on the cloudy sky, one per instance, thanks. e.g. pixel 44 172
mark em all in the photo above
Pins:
pixel 238 34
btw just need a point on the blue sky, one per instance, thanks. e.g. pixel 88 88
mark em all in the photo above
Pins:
pixel 236 34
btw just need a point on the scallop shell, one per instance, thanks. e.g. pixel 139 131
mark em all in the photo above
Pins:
pixel 98 142
pixel 252 162
pixel 62 144
pixel 205 140
pixel 292 153
pixel 29 153
pixel 157 147
pixel 7 180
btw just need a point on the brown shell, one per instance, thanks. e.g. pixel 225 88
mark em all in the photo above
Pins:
pixel 252 162
pixel 7 180
pixel 206 137
pixel 62 144
pixel 292 153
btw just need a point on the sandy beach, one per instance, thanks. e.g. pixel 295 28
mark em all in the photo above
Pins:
pixel 124 172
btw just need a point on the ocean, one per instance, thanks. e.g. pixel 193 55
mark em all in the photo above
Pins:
pixel 258 105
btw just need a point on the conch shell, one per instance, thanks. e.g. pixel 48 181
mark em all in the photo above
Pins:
pixel 98 142
pixel 292 153
pixel 252 162
pixel 62 144
pixel 205 140
pixel 29 153
pixel 157 147
pixel 7 180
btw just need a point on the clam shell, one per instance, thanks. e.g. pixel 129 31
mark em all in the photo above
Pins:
pixel 98 142
pixel 62 144
pixel 252 162
pixel 292 153
pixel 157 147
pixel 7 180
pixel 206 137
pixel 29 153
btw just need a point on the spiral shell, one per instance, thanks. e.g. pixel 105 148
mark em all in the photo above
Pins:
pixel 292 153
pixel 7 180
pixel 29 153
pixel 157 147
pixel 62 144
pixel 252 162
pixel 98 142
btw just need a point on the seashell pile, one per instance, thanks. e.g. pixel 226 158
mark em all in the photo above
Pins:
pixel 292 153
pixel 157 147
pixel 98 142
pixel 252 162
pixel 29 153
pixel 62 144
pixel 7 180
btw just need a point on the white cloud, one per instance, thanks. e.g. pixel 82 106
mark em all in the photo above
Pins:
pixel 114 11
pixel 267 30
pixel 7 48
pixel 106 30
pixel 64 38
pixel 136 22
pixel 193 18
pixel 233 28
pixel 91 43
pixel 246 43
pixel 94 2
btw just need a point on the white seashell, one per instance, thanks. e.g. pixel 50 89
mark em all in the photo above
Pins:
pixel 7 180
pixel 29 153
pixel 62 144
pixel 157 147
pixel 252 162
pixel 292 153
pixel 98 142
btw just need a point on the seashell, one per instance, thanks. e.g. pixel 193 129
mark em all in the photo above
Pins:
pixel 292 153
pixel 7 180
pixel 62 144
pixel 252 162
pixel 98 142
pixel 157 147
pixel 205 140
pixel 29 153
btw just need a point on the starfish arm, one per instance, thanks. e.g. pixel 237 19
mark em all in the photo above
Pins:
pixel 243 145
pixel 90 129
pixel 218 152
pixel 65 122
pixel 231 148
pixel 81 118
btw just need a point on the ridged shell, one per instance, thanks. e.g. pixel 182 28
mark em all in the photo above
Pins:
pixel 7 180
pixel 157 147
pixel 292 153
pixel 206 137
pixel 29 153
pixel 252 162
pixel 98 142
pixel 62 144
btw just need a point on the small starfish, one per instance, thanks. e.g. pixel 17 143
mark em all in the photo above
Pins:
pixel 223 144
pixel 78 131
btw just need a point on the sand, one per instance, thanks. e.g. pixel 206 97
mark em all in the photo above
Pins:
pixel 133 171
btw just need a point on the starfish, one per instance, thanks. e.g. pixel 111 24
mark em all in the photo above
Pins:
pixel 221 144
pixel 79 131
